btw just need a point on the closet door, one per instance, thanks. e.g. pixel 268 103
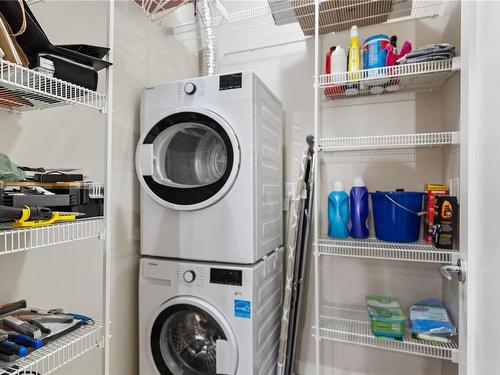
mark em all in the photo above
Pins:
pixel 479 326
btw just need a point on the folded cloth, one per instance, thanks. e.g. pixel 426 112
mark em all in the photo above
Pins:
pixel 431 52
pixel 10 171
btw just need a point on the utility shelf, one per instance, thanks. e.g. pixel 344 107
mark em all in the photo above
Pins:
pixel 23 89
pixel 351 325
pixel 284 22
pixel 423 76
pixel 375 249
pixel 22 239
pixel 384 142
pixel 51 357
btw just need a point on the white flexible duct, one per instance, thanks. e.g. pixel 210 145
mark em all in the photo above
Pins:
pixel 210 51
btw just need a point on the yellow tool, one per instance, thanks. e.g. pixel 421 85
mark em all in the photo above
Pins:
pixel 34 216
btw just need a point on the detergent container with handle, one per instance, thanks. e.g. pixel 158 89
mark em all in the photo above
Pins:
pixel 359 209
pixel 397 215
pixel 336 62
pixel 374 56
pixel 338 212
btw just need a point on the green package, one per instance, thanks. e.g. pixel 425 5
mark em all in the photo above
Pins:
pixel 387 318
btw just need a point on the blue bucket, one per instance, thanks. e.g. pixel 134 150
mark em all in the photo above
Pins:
pixel 397 215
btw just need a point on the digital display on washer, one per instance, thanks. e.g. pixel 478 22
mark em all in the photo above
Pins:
pixel 230 82
pixel 226 276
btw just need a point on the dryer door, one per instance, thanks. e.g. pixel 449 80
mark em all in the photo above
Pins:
pixel 188 160
pixel 189 336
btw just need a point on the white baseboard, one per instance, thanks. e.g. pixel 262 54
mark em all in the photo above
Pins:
pixel 309 368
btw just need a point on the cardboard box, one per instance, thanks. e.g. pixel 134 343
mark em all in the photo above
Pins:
pixel 432 191
pixel 445 222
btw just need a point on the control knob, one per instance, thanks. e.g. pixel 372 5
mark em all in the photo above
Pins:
pixel 189 276
pixel 190 88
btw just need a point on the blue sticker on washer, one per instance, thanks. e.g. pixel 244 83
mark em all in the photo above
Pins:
pixel 242 309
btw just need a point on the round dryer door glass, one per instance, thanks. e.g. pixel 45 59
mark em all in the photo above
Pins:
pixel 184 340
pixel 188 160
pixel 189 155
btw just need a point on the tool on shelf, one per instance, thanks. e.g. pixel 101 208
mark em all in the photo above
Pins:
pixel 35 216
pixel 22 340
pixel 21 327
pixel 12 306
pixel 8 348
pixel 84 319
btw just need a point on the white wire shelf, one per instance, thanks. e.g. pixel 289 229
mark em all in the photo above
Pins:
pixel 23 239
pixel 284 22
pixel 385 142
pixel 56 354
pixel 417 77
pixel 23 89
pixel 375 249
pixel 351 325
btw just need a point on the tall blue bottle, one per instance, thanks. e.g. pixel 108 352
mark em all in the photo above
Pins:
pixel 338 212
pixel 359 209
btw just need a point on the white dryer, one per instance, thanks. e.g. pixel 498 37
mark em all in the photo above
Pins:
pixel 199 318
pixel 209 161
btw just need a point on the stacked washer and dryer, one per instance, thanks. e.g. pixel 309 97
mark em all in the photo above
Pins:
pixel 209 161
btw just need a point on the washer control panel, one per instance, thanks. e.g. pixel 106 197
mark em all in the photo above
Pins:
pixel 192 275
pixel 226 276
pixel 189 88
pixel 189 276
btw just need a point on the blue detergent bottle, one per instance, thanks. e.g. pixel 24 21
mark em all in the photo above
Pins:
pixel 338 212
pixel 359 209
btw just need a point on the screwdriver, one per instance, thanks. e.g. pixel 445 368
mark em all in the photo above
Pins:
pixel 31 216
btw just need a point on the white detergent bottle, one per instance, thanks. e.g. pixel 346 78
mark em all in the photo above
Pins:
pixel 338 60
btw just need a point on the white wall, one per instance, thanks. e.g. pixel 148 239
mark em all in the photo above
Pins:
pixel 288 71
pixel 69 276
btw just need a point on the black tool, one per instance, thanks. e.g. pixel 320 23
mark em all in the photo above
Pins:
pixel 13 306
pixel 40 326
pixel 56 176
pixel 8 347
pixel 33 213
pixel 24 340
pixel 21 327
pixel 34 216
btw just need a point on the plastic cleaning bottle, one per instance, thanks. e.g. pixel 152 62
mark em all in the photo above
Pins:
pixel 353 64
pixel 338 212
pixel 359 209
pixel 338 60
pixel 338 64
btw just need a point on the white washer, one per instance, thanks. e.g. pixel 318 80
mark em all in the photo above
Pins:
pixel 199 318
pixel 210 162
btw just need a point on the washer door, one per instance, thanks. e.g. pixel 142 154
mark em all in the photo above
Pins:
pixel 190 337
pixel 188 160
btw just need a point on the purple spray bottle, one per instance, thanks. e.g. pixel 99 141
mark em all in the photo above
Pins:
pixel 359 209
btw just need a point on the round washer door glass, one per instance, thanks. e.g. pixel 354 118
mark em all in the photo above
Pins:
pixel 184 341
pixel 194 159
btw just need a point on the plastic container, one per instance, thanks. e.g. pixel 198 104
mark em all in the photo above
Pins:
pixel 374 51
pixel 338 212
pixel 359 209
pixel 375 56
pixel 353 62
pixel 397 215
pixel 336 62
